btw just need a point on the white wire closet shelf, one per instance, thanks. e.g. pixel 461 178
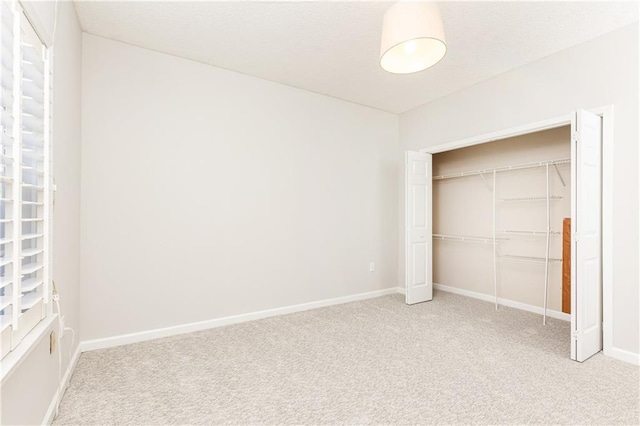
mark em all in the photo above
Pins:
pixel 503 169
pixel 527 232
pixel 465 238
pixel 528 259
pixel 540 198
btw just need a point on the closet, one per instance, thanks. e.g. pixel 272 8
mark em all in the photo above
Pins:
pixel 486 220
pixel 498 208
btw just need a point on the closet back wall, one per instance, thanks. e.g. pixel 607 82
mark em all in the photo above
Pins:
pixel 208 193
pixel 464 206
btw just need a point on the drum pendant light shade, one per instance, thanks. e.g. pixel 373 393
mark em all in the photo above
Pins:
pixel 412 37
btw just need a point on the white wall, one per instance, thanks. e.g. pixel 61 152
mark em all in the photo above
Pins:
pixel 67 135
pixel 28 392
pixel 596 73
pixel 464 206
pixel 208 193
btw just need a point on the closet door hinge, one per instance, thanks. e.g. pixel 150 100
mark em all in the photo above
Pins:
pixel 575 335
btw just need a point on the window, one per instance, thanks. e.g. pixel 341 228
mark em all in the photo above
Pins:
pixel 25 182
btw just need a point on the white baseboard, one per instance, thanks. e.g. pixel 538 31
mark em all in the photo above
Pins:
pixel 503 302
pixel 125 339
pixel 622 355
pixel 51 411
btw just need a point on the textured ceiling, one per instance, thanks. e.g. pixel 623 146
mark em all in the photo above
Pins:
pixel 332 47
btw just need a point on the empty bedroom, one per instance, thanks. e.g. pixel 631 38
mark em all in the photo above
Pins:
pixel 319 212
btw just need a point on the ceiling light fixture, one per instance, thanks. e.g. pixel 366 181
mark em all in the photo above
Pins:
pixel 412 37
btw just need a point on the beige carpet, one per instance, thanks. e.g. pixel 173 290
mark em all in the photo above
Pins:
pixel 454 360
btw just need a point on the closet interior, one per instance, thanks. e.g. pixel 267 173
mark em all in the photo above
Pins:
pixel 498 212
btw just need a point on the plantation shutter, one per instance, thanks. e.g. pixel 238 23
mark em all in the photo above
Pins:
pixel 24 179
pixel 8 173
pixel 33 185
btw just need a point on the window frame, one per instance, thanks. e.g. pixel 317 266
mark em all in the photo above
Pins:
pixel 25 338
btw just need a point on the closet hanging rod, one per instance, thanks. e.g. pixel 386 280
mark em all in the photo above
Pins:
pixel 465 238
pixel 542 198
pixel 528 259
pixel 526 232
pixel 503 169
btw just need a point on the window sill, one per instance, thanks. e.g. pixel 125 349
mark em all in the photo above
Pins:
pixel 14 358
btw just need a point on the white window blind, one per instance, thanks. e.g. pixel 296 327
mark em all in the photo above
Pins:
pixel 24 196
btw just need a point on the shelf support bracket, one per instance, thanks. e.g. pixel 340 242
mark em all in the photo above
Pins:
pixel 555 166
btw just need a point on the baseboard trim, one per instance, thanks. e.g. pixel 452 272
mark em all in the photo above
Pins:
pixel 51 411
pixel 126 339
pixel 504 302
pixel 622 355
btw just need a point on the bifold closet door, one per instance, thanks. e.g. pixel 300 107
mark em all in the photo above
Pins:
pixel 586 248
pixel 418 228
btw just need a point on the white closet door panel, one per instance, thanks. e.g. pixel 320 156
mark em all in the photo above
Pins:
pixel 586 259
pixel 418 229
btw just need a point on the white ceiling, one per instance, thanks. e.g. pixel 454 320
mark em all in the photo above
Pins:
pixel 332 47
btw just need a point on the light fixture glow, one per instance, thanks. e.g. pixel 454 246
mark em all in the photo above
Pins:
pixel 412 37
pixel 410 47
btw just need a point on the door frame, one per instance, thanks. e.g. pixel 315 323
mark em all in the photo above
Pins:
pixel 606 112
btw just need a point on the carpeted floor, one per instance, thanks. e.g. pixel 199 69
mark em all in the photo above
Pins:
pixel 454 360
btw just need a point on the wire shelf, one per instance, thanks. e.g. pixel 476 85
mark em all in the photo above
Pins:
pixel 466 238
pixel 528 259
pixel 542 198
pixel 525 232
pixel 503 169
